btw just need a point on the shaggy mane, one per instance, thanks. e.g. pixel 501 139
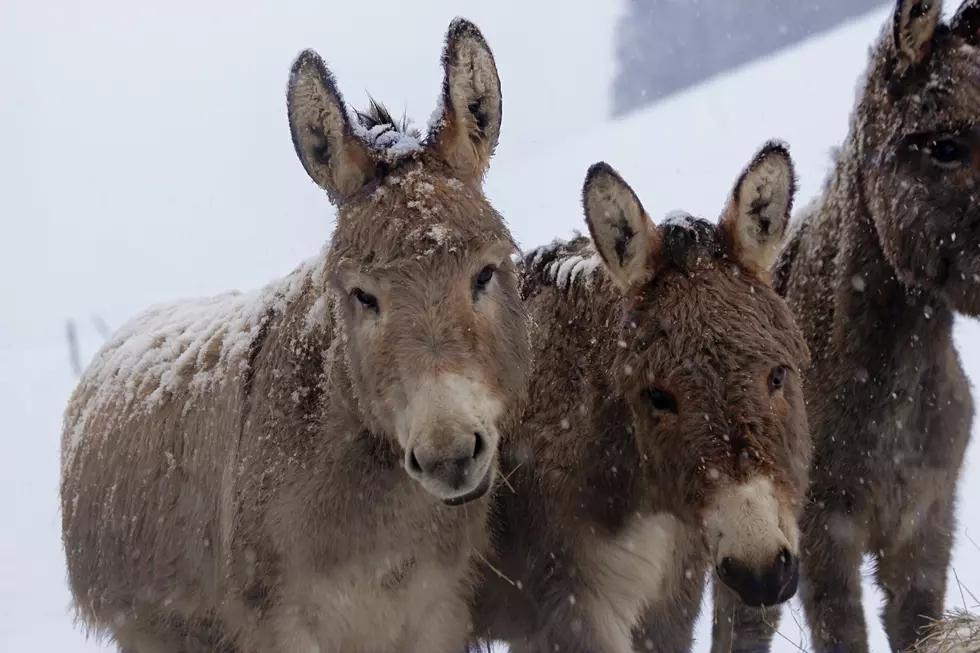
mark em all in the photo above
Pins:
pixel 391 140
pixel 562 263
pixel 377 115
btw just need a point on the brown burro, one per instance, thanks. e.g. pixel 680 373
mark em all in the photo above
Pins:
pixel 284 471
pixel 665 432
pixel 874 272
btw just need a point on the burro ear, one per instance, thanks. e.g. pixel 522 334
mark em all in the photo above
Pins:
pixel 758 212
pixel 465 134
pixel 966 22
pixel 625 237
pixel 331 153
pixel 914 26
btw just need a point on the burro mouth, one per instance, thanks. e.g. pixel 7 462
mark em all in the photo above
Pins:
pixel 476 493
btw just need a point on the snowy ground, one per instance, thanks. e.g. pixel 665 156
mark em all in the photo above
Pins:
pixel 147 157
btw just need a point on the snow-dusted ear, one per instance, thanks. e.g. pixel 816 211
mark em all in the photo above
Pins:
pixel 758 212
pixel 914 26
pixel 966 22
pixel 623 234
pixel 326 145
pixel 466 133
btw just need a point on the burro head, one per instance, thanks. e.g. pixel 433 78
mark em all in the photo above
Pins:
pixel 709 365
pixel 916 137
pixel 424 290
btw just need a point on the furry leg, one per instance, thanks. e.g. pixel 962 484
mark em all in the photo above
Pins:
pixel 913 577
pixel 830 582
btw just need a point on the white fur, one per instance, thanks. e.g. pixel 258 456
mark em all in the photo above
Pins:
pixel 442 409
pixel 424 613
pixel 747 523
pixel 627 574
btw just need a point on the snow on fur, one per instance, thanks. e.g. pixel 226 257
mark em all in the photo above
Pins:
pixel 564 262
pixel 390 139
pixel 190 346
pixel 679 218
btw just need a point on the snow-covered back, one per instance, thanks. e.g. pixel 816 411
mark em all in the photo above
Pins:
pixel 189 347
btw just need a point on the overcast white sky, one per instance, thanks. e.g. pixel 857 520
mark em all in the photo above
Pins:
pixel 126 127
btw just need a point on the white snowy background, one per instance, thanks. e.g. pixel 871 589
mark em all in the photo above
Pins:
pixel 145 156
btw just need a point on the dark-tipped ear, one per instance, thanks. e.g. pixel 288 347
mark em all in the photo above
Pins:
pixel 966 22
pixel 466 134
pixel 914 26
pixel 625 237
pixel 333 156
pixel 758 212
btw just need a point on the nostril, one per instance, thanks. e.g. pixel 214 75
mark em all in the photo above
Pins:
pixel 725 568
pixel 479 446
pixel 413 463
pixel 785 559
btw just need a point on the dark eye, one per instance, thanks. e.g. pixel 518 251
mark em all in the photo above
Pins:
pixel 777 378
pixel 949 152
pixel 661 399
pixel 482 278
pixel 367 300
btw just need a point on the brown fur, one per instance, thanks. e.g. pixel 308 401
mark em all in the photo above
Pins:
pixel 615 507
pixel 271 471
pixel 874 272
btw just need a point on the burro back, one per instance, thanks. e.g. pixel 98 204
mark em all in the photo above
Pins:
pixel 286 470
pixel 665 432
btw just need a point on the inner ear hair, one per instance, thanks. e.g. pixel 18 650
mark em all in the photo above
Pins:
pixel 758 213
pixel 914 25
pixel 466 134
pixel 623 234
pixel 332 155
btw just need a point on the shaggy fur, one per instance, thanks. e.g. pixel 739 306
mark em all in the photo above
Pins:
pixel 271 471
pixel 874 272
pixel 651 406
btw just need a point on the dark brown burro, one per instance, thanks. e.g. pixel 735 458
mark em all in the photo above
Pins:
pixel 874 271
pixel 285 471
pixel 665 432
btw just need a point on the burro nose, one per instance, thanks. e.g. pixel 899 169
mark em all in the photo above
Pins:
pixel 765 585
pixel 452 468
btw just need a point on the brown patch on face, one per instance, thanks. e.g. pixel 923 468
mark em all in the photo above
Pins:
pixel 702 342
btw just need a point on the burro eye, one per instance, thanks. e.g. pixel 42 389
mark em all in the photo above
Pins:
pixel 482 280
pixel 661 399
pixel 949 152
pixel 777 377
pixel 367 300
